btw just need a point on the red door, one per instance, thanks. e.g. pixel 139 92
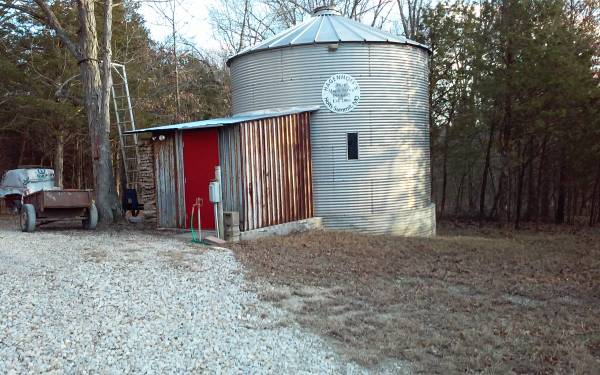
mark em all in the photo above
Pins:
pixel 200 157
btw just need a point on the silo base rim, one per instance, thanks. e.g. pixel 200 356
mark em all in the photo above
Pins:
pixel 413 223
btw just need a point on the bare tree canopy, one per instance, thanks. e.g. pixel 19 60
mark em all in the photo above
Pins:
pixel 243 23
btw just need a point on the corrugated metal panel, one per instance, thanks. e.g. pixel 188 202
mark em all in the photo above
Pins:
pixel 166 186
pixel 266 170
pixel 391 181
pixel 328 26
pixel 224 121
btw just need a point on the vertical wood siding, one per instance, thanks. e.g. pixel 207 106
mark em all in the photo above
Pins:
pixel 267 170
pixel 179 180
pixel 231 168
pixel 166 187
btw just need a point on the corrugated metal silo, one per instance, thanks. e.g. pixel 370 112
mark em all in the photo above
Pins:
pixel 373 89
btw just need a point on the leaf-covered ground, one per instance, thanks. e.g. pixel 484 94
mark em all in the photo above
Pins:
pixel 469 300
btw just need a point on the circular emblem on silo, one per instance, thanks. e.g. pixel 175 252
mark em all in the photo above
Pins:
pixel 341 93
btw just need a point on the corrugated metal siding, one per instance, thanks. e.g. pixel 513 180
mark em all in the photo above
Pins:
pixel 166 186
pixel 266 170
pixel 386 189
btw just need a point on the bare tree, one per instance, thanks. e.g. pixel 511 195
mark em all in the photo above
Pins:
pixel 411 14
pixel 242 23
pixel 167 10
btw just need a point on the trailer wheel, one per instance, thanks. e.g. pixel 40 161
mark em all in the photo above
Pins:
pixel 91 220
pixel 27 218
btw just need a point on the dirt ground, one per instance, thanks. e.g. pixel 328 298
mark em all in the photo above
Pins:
pixel 470 300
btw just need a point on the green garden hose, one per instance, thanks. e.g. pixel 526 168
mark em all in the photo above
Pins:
pixel 195 239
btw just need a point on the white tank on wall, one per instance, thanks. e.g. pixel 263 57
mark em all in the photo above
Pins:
pixel 370 139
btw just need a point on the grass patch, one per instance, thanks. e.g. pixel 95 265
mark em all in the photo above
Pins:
pixel 470 300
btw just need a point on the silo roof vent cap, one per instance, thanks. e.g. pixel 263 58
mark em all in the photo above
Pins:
pixel 326 10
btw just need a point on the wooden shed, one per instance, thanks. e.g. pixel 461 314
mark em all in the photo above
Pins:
pixel 265 163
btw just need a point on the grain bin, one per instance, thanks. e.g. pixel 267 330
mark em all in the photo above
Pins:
pixel 370 138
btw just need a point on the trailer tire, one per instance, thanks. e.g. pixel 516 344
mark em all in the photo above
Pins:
pixel 27 218
pixel 91 221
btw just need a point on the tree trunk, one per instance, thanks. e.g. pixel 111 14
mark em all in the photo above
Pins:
pixel 73 173
pixel 519 196
pixel 504 204
pixel 543 184
pixel 96 105
pixel 458 204
pixel 471 197
pixel 598 215
pixel 531 186
pixel 509 195
pixel 595 201
pixel 176 65
pixel 572 205
pixel 559 217
pixel 494 211
pixel 584 202
pixel 240 45
pixel 445 162
pixel 22 152
pixel 59 160
pixel 484 177
pixel 79 166
pixel 444 184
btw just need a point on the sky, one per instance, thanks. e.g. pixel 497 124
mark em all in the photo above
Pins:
pixel 192 20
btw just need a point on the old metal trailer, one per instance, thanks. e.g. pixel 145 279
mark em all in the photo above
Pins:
pixel 47 206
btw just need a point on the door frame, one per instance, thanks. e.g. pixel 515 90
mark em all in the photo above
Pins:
pixel 175 179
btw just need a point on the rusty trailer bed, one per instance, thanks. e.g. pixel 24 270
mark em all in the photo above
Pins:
pixel 47 206
pixel 67 198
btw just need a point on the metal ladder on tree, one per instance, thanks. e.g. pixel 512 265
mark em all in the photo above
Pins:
pixel 125 122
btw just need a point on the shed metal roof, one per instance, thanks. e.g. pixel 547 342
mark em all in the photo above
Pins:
pixel 327 26
pixel 224 121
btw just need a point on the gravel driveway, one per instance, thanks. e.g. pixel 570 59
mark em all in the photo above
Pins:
pixel 125 301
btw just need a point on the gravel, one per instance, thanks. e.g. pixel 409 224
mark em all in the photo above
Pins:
pixel 125 301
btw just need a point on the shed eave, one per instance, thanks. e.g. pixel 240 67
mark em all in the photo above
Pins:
pixel 226 121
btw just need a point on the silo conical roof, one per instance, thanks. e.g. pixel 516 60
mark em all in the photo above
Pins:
pixel 327 26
